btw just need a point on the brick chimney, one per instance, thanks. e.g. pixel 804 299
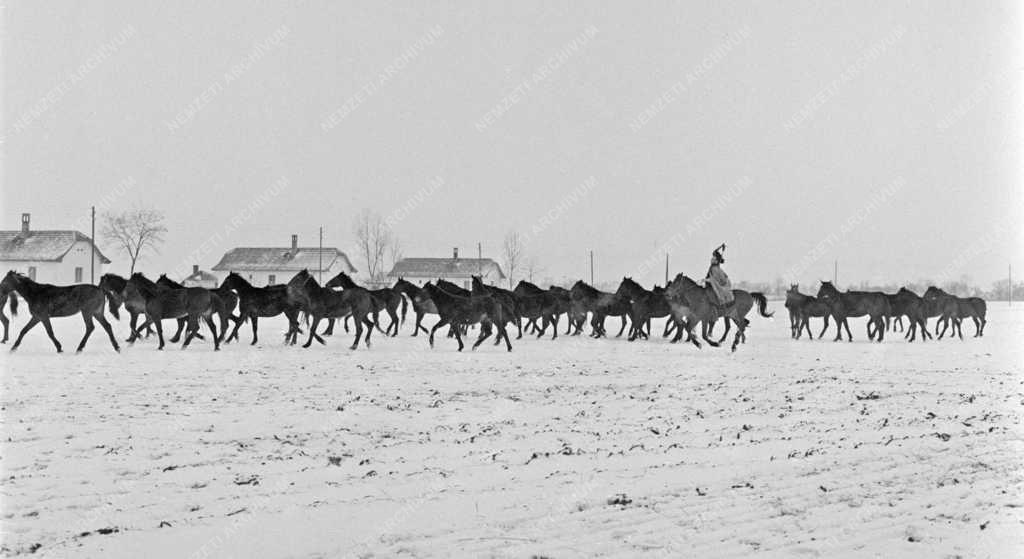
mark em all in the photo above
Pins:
pixel 295 244
pixel 195 269
pixel 25 219
pixel 455 253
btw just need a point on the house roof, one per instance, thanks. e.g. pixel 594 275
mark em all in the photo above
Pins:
pixel 281 259
pixel 201 276
pixel 446 267
pixel 41 245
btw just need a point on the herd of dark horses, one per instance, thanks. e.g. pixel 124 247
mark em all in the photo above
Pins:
pixel 684 302
pixel 884 311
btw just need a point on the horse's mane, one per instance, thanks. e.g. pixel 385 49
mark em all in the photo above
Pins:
pixel 116 281
pixel 589 289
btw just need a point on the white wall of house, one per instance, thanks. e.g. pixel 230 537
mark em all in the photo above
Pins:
pixel 73 268
pixel 264 278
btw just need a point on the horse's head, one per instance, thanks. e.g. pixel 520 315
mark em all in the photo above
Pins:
pixel 827 290
pixel 932 292
pixel 10 281
pixel 793 288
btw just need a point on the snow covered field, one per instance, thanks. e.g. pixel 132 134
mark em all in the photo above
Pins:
pixel 565 448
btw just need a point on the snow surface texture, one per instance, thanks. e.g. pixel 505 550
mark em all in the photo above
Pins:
pixel 565 448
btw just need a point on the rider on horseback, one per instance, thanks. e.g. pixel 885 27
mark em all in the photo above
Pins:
pixel 718 281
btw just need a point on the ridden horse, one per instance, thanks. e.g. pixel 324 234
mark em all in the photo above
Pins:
pixel 117 287
pixel 644 305
pixel 907 303
pixel 227 297
pixel 459 311
pixel 600 304
pixel 262 302
pixel 47 301
pixel 421 303
pixel 324 302
pixel 843 305
pixel 508 300
pixel 385 299
pixel 692 303
pixel 191 303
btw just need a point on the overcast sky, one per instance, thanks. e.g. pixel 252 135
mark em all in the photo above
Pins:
pixel 886 135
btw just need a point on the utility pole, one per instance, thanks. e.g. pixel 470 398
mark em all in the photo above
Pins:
pixel 1009 285
pixel 835 273
pixel 666 269
pixel 591 267
pixel 320 254
pixel 480 260
pixel 92 249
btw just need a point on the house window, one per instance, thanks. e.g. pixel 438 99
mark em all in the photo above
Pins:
pixel 271 279
pixel 78 274
pixel 32 273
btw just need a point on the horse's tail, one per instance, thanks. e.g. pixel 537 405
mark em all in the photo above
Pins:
pixel 405 307
pixel 14 303
pixel 762 304
pixel 112 304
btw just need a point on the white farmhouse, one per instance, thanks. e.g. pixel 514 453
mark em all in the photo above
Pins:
pixel 58 257
pixel 456 270
pixel 262 266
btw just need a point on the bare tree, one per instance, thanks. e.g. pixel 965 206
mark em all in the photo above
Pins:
pixel 512 251
pixel 373 237
pixel 532 267
pixel 136 231
pixel 395 252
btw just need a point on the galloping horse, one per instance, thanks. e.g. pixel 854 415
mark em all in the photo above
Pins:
pixel 600 304
pixel 842 305
pixel 508 300
pixel 460 311
pixel 262 302
pixel 385 299
pixel 191 303
pixel 644 305
pixel 227 297
pixel 421 303
pixel 323 302
pixel 117 287
pixel 52 301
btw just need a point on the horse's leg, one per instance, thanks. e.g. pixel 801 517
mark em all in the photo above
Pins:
pixel 485 332
pixel 49 332
pixel 369 331
pixel 623 328
pixel 824 328
pixel 880 330
pixel 705 332
pixel 159 330
pixel 6 322
pixel 458 337
pixel 393 313
pixel 213 331
pixel 945 323
pixel 89 327
pixel 28 326
pixel 439 324
pixel 192 323
pixel 312 332
pixel 177 335
pixel 132 319
pixel 110 331
pixel 959 329
pixel 728 326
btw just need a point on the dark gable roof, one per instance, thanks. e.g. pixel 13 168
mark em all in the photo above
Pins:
pixel 446 267
pixel 41 245
pixel 280 259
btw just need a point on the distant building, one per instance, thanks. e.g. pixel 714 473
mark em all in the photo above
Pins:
pixel 272 266
pixel 59 257
pixel 456 270
pixel 200 278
